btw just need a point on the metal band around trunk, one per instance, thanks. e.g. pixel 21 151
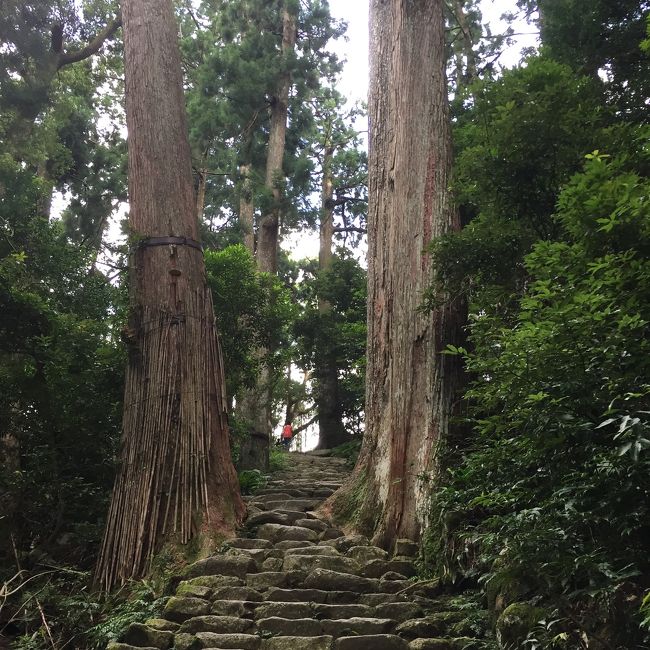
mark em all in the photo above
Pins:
pixel 167 241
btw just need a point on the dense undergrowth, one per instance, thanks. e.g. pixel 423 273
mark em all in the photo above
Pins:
pixel 547 502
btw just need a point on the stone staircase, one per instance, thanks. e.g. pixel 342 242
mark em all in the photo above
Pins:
pixel 291 581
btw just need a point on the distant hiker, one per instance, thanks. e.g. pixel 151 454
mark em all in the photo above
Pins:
pixel 287 434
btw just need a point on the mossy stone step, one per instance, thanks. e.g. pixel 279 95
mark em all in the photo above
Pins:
pixel 458 643
pixel 280 533
pixel 435 625
pixel 219 624
pixel 222 565
pixel 371 642
pixel 283 609
pixel 298 643
pixel 143 636
pixel 322 611
pixel 312 596
pixel 239 641
pixel 116 645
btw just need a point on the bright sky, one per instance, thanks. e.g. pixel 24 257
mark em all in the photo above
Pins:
pixel 354 82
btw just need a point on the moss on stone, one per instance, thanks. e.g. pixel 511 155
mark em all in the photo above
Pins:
pixel 515 623
pixel 348 502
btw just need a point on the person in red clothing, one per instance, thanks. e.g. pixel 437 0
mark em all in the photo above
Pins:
pixel 287 434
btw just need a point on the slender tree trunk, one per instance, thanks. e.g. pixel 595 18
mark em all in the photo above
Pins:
pixel 470 74
pixel 176 480
pixel 267 244
pixel 326 231
pixel 256 403
pixel 45 200
pixel 247 208
pixel 410 385
pixel 331 431
pixel 200 193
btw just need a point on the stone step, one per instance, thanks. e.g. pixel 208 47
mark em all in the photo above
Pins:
pixel 267 579
pixel 248 543
pixel 222 565
pixel 371 642
pixel 291 492
pixel 434 625
pixel 283 609
pixel 312 596
pixel 457 643
pixel 317 627
pixel 280 533
pixel 330 580
pixel 324 611
pixel 298 643
pixel 301 505
pixel 218 624
pixel 230 641
pixel 241 608
pixel 310 563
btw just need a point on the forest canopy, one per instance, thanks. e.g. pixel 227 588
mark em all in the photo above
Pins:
pixel 512 311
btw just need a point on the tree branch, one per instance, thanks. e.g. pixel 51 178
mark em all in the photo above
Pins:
pixel 302 427
pixel 93 47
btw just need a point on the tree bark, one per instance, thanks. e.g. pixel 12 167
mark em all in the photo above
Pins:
pixel 201 187
pixel 267 244
pixel 467 75
pixel 331 431
pixel 326 231
pixel 247 208
pixel 410 384
pixel 256 403
pixel 176 480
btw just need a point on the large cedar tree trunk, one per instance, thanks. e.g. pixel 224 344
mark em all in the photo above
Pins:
pixel 176 479
pixel 410 385
pixel 256 402
pixel 331 431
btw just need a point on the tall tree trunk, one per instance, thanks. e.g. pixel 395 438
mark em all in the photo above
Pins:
pixel 469 75
pixel 202 182
pixel 247 208
pixel 267 244
pixel 410 385
pixel 176 480
pixel 256 403
pixel 326 231
pixel 331 431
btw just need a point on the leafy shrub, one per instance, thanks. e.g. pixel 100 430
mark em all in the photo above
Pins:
pixel 277 459
pixel 56 608
pixel 551 500
pixel 251 480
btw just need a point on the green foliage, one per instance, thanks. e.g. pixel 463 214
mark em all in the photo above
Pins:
pixel 523 136
pixel 252 310
pixel 251 480
pixel 232 52
pixel 278 460
pixel 551 491
pixel 518 141
pixel 338 335
pixel 60 383
pixel 602 39
pixel 75 615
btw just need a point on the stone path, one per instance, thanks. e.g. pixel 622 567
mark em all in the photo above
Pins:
pixel 293 582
